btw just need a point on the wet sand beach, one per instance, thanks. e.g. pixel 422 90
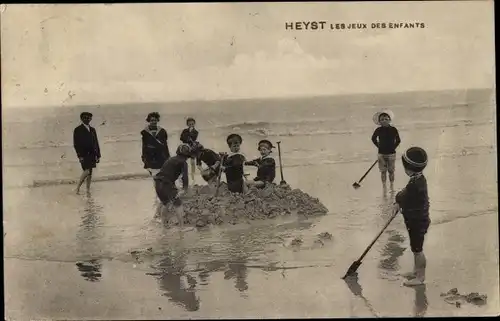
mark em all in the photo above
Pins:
pixel 242 271
pixel 68 256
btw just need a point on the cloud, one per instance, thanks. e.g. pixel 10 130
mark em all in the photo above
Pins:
pixel 159 52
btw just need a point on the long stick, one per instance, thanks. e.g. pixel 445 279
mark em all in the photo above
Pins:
pixel 357 184
pixel 283 182
pixel 355 265
pixel 219 174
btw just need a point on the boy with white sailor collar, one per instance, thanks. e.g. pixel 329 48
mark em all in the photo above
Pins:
pixel 233 165
pixel 266 165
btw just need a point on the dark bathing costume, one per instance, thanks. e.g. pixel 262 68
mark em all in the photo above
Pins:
pixel 154 147
pixel 388 139
pixel 266 171
pixel 86 146
pixel 189 137
pixel 234 172
pixel 414 203
pixel 209 157
pixel 165 180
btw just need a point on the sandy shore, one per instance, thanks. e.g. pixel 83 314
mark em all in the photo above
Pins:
pixel 126 291
pixel 243 270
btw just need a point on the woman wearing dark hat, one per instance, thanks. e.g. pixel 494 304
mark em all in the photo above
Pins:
pixel 165 181
pixel 87 148
pixel 154 144
pixel 266 165
pixel 233 165
pixel 413 201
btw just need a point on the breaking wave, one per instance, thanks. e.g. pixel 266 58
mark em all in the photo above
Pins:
pixel 276 129
pixel 290 162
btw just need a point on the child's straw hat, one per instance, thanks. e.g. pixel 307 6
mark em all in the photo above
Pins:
pixel 378 113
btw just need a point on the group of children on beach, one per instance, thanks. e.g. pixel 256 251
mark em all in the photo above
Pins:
pixel 412 201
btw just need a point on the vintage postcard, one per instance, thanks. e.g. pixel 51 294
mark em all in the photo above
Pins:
pixel 249 160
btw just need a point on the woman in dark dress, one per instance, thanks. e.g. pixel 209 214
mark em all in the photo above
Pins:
pixel 155 150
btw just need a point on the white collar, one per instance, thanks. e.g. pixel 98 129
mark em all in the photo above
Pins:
pixel 232 154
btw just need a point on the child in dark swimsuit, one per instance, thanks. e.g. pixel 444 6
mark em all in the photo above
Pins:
pixel 165 181
pixel 266 165
pixel 233 165
pixel 413 201
pixel 211 159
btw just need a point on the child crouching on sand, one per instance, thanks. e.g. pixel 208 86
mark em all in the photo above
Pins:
pixel 233 165
pixel 386 138
pixel 266 164
pixel 211 159
pixel 413 201
pixel 165 182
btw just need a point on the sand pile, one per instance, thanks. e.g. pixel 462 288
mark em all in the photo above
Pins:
pixel 202 208
pixel 455 298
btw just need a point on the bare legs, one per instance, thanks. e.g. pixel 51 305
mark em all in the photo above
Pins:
pixel 418 275
pixel 383 177
pixel 193 168
pixel 86 175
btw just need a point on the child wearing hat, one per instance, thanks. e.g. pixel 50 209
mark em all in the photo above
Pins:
pixel 413 201
pixel 386 138
pixel 266 165
pixel 165 181
pixel 233 165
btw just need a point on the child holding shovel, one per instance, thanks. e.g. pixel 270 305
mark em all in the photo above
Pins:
pixel 266 172
pixel 386 138
pixel 413 201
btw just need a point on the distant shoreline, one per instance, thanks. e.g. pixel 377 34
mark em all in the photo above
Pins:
pixel 283 98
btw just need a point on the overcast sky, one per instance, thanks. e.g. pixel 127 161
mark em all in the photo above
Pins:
pixel 161 52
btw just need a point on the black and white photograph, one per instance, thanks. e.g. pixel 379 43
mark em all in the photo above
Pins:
pixel 249 160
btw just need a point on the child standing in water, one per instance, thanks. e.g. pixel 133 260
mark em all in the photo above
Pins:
pixel 266 164
pixel 386 138
pixel 233 165
pixel 189 136
pixel 413 201
pixel 165 181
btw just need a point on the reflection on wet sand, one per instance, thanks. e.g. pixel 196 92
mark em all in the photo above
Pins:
pixel 170 278
pixel 90 270
pixel 421 303
pixel 390 254
pixel 88 237
pixel 234 252
pixel 392 249
pixel 357 290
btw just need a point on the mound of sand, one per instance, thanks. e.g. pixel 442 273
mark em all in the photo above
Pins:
pixel 202 208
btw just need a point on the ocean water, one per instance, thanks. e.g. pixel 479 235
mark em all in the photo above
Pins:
pixel 37 143
pixel 249 269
